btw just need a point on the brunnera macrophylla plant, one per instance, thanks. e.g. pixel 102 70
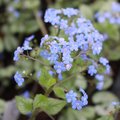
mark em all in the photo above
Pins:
pixel 75 47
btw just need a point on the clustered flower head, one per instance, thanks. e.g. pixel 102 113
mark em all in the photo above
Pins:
pixel 113 16
pixel 71 97
pixel 79 37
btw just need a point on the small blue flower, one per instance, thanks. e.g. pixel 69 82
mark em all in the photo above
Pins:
pixel 77 104
pixel 63 24
pixel 70 12
pixel 17 53
pixel 71 96
pixel 45 54
pixel 115 103
pixel 108 69
pixel 54 47
pixel 100 85
pixel 92 70
pixel 68 66
pixel 26 94
pixel 26 45
pixel 43 39
pixel 30 38
pixel 59 67
pixel 103 61
pixel 96 48
pixel 52 17
pixel 99 77
pixel 27 42
pixel 51 72
pixel 18 78
pixel 84 98
pixel 53 58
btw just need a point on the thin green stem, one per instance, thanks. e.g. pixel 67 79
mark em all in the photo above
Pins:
pixel 34 114
pixel 27 56
pixel 40 23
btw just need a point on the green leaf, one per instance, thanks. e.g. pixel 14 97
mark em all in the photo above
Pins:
pixel 108 82
pixel 31 4
pixel 50 105
pixel 104 97
pixel 86 11
pixel 110 29
pixel 81 82
pixel 46 79
pixel 24 105
pixel 111 50
pixel 104 109
pixel 59 92
pixel 87 113
pixel 106 118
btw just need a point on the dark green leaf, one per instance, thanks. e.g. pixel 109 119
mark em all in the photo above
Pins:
pixel 50 105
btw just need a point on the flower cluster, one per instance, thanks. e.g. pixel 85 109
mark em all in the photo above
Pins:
pixel 93 70
pixel 113 16
pixel 72 98
pixel 25 46
pixel 80 36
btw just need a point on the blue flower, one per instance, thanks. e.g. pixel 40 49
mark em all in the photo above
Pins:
pixel 45 54
pixel 70 12
pixel 54 47
pixel 108 69
pixel 43 39
pixel 103 61
pixel 72 44
pixel 51 72
pixel 27 42
pixel 53 58
pixel 110 15
pixel 30 38
pixel 115 103
pixel 71 96
pixel 96 48
pixel 59 67
pixel 77 104
pixel 68 66
pixel 84 98
pixel 63 24
pixel 100 85
pixel 18 78
pixel 26 94
pixel 99 77
pixel 51 16
pixel 26 45
pixel 92 70
pixel 17 53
